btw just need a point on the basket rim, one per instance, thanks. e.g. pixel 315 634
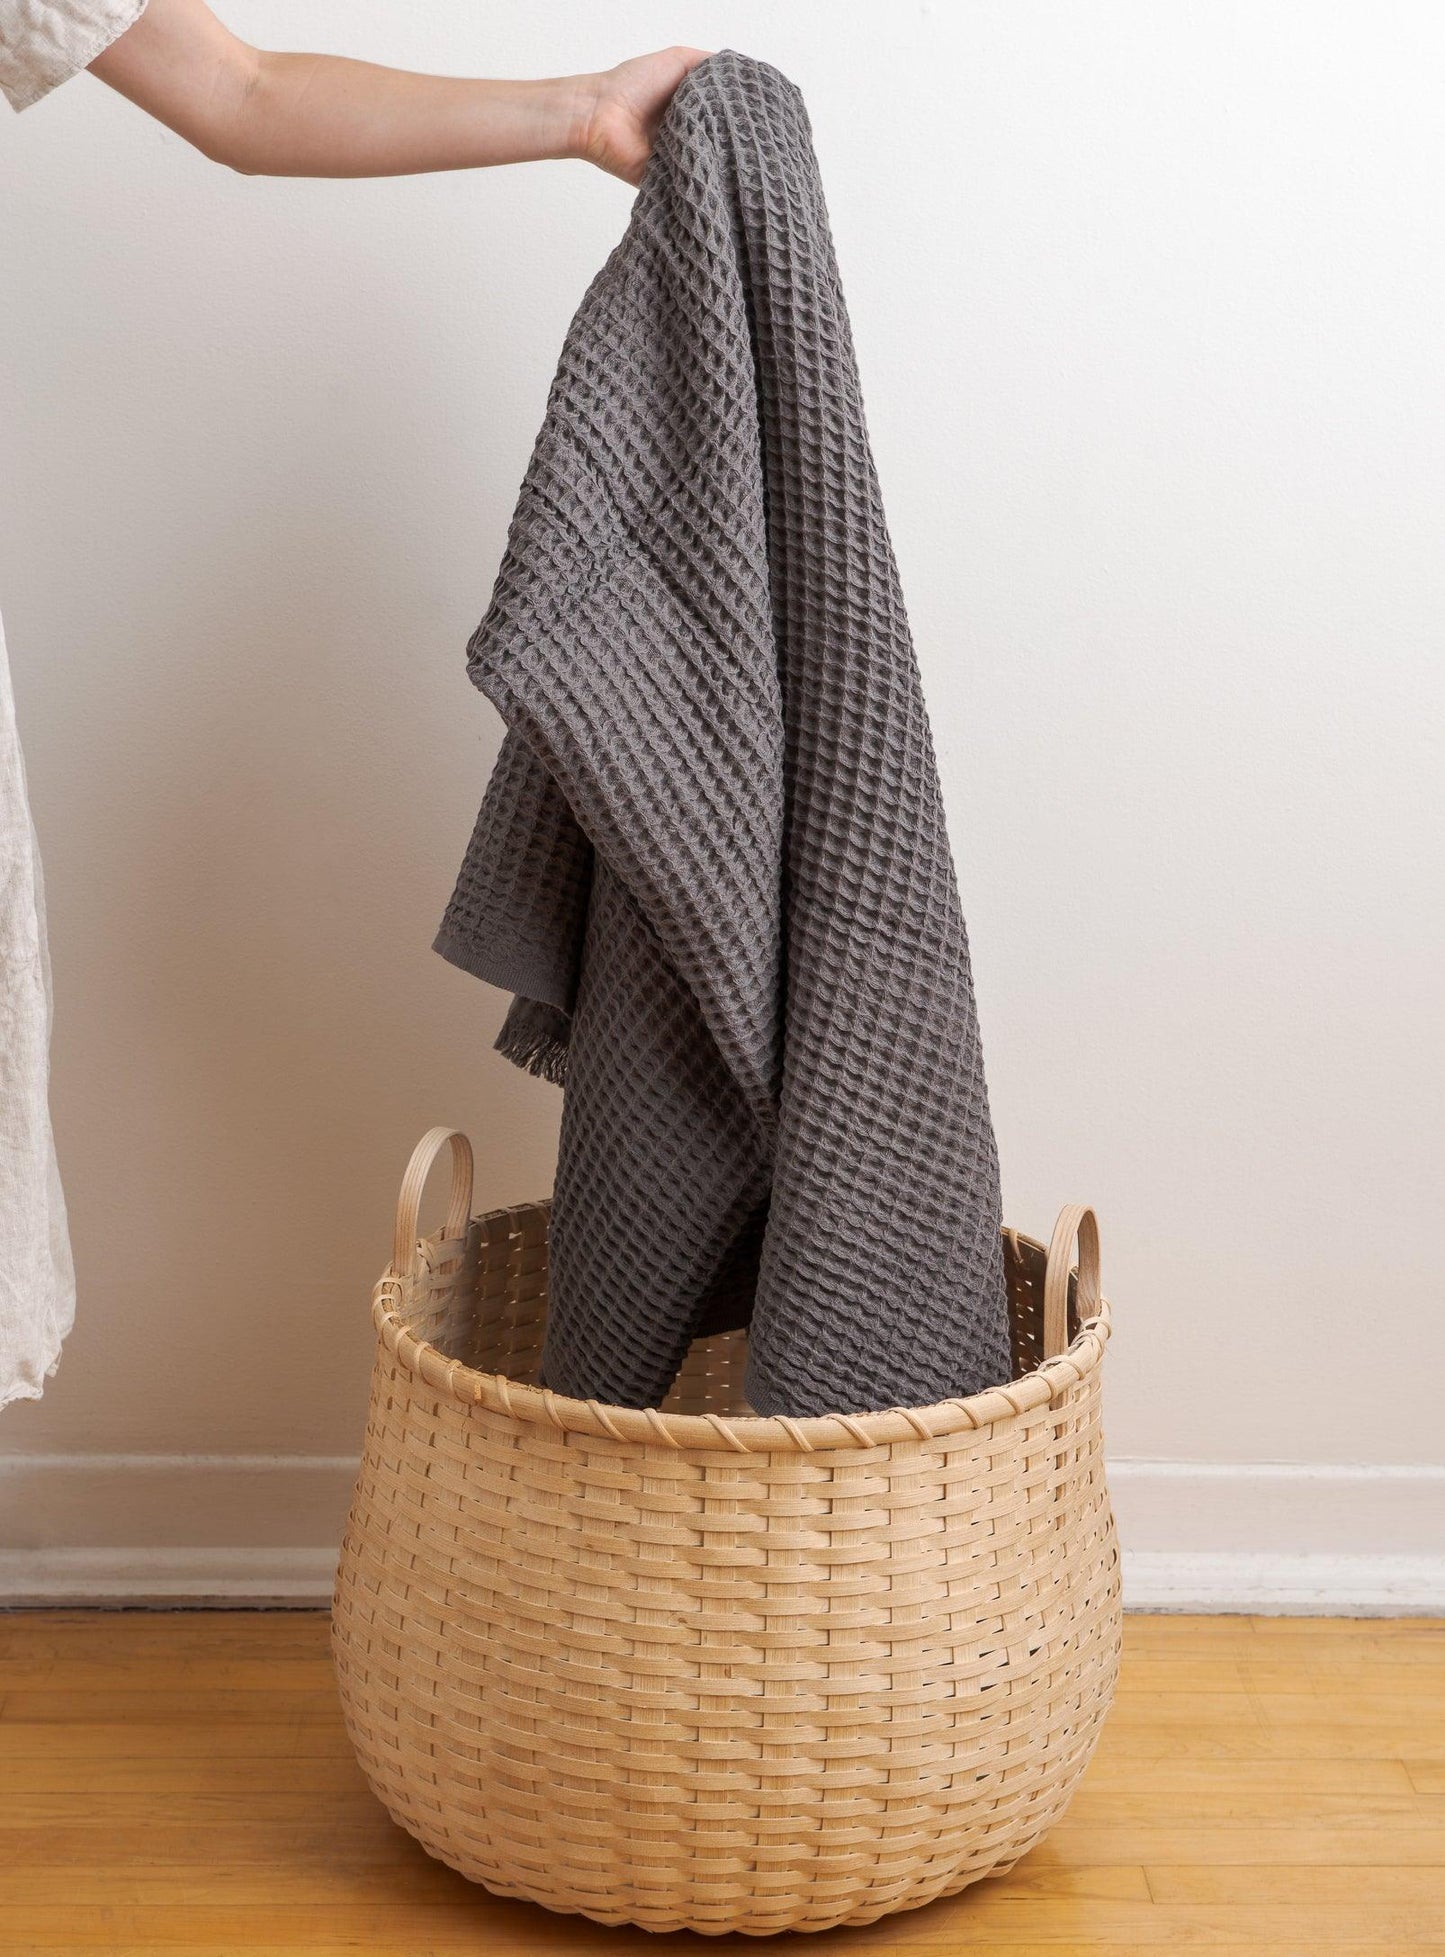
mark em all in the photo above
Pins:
pixel 740 1433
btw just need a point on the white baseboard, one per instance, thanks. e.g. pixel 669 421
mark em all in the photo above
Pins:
pixel 193 1578
pixel 1293 1539
pixel 1262 1585
pixel 141 1502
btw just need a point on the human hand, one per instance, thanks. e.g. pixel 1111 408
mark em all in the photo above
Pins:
pixel 623 107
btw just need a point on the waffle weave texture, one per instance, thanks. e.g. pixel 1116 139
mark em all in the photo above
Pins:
pixel 712 860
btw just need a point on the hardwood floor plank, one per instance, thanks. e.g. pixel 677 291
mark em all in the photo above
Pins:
pixel 192 1775
pixel 1169 1775
pixel 1367 1711
pixel 176 1843
pixel 1237 1849
pixel 310 1737
pixel 1233 1672
pixel 1250 1707
pixel 1134 1707
pixel 264 1806
pixel 169 1704
pixel 1383 1628
pixel 172 1635
pixel 1353 1885
pixel 1322 1739
pixel 1165 1630
pixel 1097 1805
pixel 83 1670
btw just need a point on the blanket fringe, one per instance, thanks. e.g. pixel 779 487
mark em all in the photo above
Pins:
pixel 534 1037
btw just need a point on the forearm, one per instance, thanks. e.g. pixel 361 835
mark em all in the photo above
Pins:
pixel 327 116
pixel 309 115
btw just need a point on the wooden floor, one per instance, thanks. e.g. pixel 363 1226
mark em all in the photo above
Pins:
pixel 174 1783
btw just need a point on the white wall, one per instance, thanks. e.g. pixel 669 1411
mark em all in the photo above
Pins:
pixel 1147 302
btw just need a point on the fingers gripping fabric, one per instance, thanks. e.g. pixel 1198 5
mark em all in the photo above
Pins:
pixel 712 862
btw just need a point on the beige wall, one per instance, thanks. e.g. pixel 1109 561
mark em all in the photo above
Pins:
pixel 1147 307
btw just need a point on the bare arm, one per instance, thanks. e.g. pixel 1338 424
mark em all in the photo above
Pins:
pixel 320 115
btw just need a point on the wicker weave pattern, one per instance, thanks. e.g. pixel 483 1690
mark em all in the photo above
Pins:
pixel 781 1676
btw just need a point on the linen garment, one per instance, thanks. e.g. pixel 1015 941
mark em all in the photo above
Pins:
pixel 712 860
pixel 44 42
pixel 37 1281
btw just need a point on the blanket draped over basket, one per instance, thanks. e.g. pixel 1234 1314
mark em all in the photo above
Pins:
pixel 712 860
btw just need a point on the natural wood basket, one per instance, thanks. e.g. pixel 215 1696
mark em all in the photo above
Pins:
pixel 691 1668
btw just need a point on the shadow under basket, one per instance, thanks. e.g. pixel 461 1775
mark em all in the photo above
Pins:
pixel 691 1668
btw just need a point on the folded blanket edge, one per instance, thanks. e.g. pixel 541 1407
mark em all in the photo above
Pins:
pixel 511 968
pixel 536 1032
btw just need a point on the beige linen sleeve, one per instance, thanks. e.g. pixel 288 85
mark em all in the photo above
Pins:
pixel 44 42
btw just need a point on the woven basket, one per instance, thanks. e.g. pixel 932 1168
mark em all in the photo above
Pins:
pixel 694 1669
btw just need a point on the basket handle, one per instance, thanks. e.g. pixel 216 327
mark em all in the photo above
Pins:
pixel 408 1203
pixel 1076 1220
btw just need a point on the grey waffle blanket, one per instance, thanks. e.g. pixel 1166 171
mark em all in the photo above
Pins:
pixel 712 861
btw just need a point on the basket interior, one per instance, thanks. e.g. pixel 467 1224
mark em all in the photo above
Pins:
pixel 488 1309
